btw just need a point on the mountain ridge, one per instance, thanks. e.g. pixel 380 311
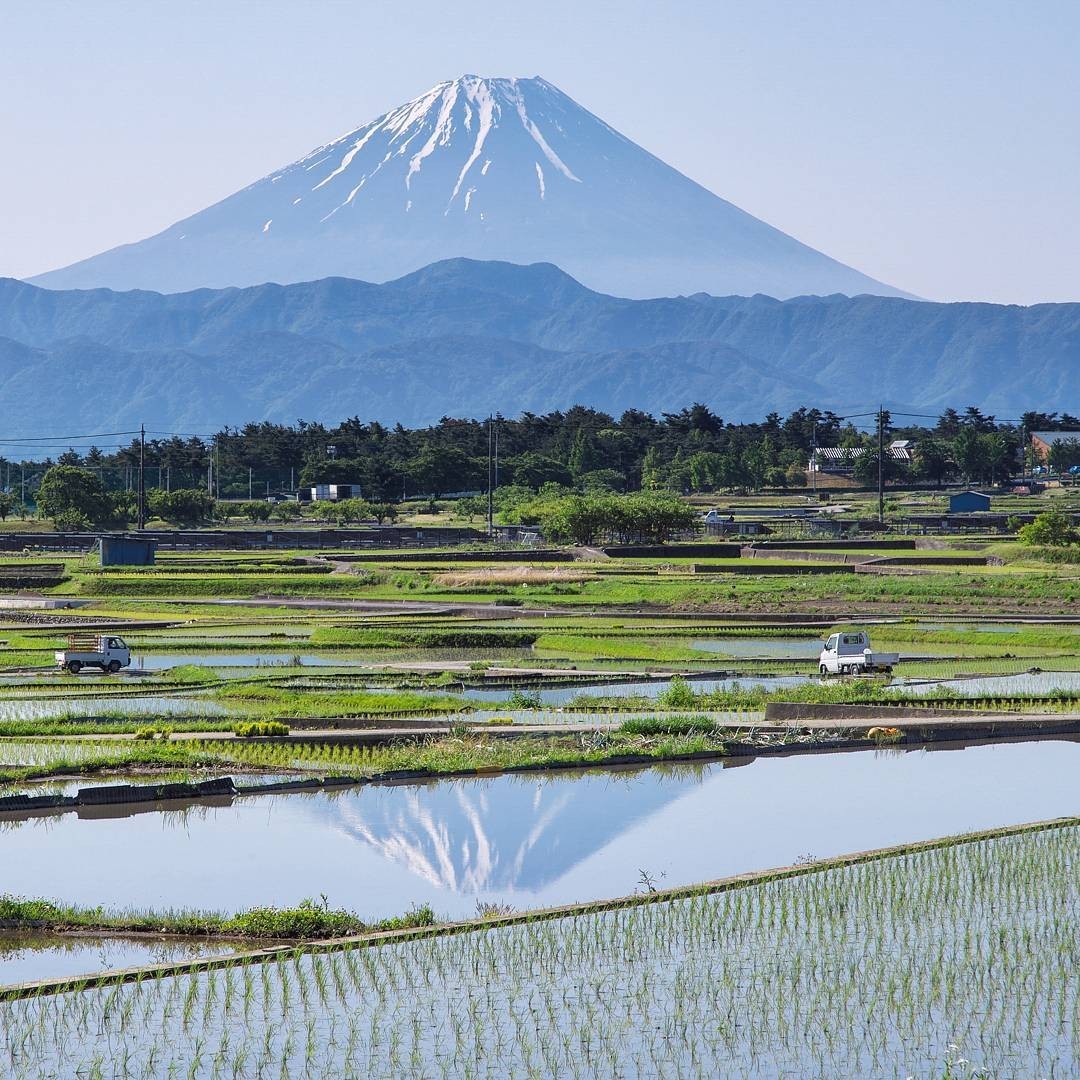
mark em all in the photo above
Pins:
pixel 467 338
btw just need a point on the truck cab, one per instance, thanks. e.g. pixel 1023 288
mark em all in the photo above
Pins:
pixel 108 652
pixel 849 653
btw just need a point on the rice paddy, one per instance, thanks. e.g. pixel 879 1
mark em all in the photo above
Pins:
pixel 957 961
pixel 914 965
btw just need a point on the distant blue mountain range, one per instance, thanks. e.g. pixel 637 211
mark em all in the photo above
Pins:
pixel 466 338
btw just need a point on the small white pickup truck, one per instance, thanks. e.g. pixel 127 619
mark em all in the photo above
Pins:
pixel 850 654
pixel 103 651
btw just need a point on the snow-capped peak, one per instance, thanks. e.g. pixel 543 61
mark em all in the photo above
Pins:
pixel 463 111
pixel 488 168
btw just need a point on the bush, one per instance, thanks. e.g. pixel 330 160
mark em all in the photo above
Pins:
pixel 524 699
pixel 254 729
pixel 255 511
pixel 71 521
pixel 1050 529
pixel 678 695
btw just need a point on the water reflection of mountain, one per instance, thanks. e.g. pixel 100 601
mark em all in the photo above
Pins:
pixel 508 832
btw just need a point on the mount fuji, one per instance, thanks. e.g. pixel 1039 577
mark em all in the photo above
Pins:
pixel 507 169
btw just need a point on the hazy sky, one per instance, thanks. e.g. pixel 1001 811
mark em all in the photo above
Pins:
pixel 934 145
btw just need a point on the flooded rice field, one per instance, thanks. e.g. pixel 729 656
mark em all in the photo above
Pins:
pixel 109 705
pixel 28 955
pixel 534 840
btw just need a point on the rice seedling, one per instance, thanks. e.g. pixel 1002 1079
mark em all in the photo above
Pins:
pixel 886 968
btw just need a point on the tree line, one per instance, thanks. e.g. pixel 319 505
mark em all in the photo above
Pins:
pixel 580 450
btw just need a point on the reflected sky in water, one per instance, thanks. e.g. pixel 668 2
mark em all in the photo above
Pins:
pixel 533 840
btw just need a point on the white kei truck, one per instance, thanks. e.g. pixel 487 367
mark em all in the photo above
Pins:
pixel 850 654
pixel 105 651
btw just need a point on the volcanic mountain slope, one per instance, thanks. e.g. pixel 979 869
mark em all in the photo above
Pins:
pixel 467 338
pixel 509 169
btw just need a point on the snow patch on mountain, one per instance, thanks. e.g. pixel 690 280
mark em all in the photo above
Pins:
pixel 509 169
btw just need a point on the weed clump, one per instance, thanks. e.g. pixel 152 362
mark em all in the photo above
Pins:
pixel 668 725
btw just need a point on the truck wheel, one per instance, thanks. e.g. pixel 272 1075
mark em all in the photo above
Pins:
pixel 114 666
pixel 74 666
pixel 823 669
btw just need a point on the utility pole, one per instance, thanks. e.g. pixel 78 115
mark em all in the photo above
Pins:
pixel 249 483
pixel 881 465
pixel 142 477
pixel 490 493
pixel 813 459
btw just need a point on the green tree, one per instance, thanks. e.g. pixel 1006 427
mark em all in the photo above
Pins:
pixel 185 506
pixel 346 511
pixel 384 511
pixel 67 489
pixel 8 502
pixel 255 511
pixel 287 511
pixel 1050 529
pixel 1064 454
pixel 533 470
pixel 866 468
pixel 933 461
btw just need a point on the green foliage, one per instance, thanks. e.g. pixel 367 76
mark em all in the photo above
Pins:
pixel 648 517
pixel 384 511
pixel 1064 454
pixel 75 498
pixel 524 699
pixel 8 502
pixel 348 511
pixel 153 732
pixel 185 506
pixel 286 512
pixel 679 694
pixel 1050 529
pixel 669 725
pixel 309 920
pixel 255 511
pixel 260 729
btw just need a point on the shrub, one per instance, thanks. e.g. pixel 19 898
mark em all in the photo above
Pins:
pixel 524 699
pixel 678 695
pixel 1050 529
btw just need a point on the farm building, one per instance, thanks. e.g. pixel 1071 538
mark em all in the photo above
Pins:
pixel 841 459
pixel 968 502
pixel 330 492
pixel 128 551
pixel 1042 442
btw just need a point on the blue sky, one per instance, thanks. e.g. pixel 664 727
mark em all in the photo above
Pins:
pixel 931 145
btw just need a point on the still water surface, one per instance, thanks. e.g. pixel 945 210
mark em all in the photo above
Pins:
pixel 532 840
pixel 25 957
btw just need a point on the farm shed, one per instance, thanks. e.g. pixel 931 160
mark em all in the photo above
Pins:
pixel 968 502
pixel 128 551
